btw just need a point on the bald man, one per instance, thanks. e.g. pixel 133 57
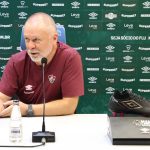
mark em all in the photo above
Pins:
pixel 23 73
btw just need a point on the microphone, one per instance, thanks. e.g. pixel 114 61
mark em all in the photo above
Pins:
pixel 43 136
pixel 44 61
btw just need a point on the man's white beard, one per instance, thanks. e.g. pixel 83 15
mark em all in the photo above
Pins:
pixel 38 59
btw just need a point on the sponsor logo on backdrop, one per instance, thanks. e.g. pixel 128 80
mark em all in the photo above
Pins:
pixel 111 5
pixel 93 59
pixel 110 26
pixel 128 5
pixel 127 59
pixel 93 16
pixel 144 48
pixel 109 90
pixel 75 5
pixel 78 48
pixel 124 38
pixel 127 80
pixel 111 16
pixel 4 4
pixel 146 4
pixel 22 15
pixel 145 15
pixel 93 26
pixel 18 48
pixel 4 15
pixel 92 48
pixel 144 26
pixel 2 68
pixel 110 69
pixel 6 25
pixel 110 59
pixel 93 91
pixel 144 80
pixel 110 48
pixel 92 79
pixel 6 58
pixel 145 69
pixel 92 69
pixel 20 25
pixel 128 49
pixel 58 4
pixel 93 4
pixel 4 37
pixel 22 5
pixel 110 80
pixel 75 26
pixel 75 15
pixel 58 15
pixel 128 26
pixel 6 48
pixel 146 59
pixel 40 5
pixel 127 69
pixel 144 90
pixel 130 89
pixel 128 16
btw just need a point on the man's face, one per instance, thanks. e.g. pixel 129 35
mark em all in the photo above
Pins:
pixel 39 44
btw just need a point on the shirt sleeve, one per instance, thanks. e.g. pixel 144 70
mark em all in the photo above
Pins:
pixel 8 82
pixel 72 79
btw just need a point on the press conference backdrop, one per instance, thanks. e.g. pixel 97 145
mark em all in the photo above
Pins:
pixel 112 36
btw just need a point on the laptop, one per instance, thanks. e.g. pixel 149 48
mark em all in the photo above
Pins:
pixel 129 130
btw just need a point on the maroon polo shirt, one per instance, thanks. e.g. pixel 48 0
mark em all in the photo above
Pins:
pixel 63 76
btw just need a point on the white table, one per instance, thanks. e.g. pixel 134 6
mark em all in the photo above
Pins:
pixel 73 132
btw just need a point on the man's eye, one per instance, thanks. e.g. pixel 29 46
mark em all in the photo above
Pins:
pixel 26 39
pixel 36 40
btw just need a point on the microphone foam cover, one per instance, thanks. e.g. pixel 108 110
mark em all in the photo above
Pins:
pixel 44 60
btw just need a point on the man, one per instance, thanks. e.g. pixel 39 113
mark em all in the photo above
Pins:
pixel 23 73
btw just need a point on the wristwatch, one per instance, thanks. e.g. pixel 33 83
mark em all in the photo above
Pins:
pixel 30 111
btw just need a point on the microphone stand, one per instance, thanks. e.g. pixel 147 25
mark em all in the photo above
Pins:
pixel 43 136
pixel 43 125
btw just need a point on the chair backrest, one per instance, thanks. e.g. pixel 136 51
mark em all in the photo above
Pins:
pixel 61 36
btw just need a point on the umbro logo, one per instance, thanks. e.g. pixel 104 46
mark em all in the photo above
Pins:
pixel 131 104
pixel 29 89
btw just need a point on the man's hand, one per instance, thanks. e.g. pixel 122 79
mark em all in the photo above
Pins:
pixel 1 106
pixel 7 108
pixel 3 98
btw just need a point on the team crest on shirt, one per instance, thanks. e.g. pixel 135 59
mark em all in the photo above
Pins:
pixel 51 78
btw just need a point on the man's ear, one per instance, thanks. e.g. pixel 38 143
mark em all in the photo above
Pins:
pixel 55 37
